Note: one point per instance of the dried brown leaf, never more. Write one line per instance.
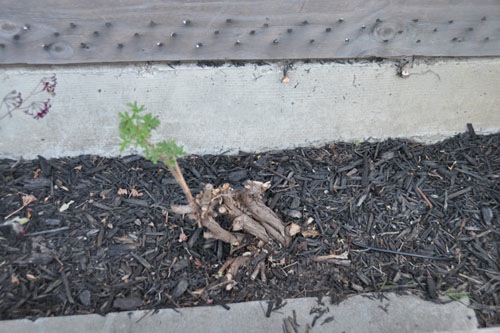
(27, 199)
(122, 191)
(310, 233)
(124, 240)
(342, 256)
(30, 277)
(183, 237)
(134, 193)
(294, 229)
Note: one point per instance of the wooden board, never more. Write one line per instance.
(74, 31)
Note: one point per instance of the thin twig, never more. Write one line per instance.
(370, 248)
(36, 233)
(423, 196)
(144, 315)
(141, 260)
(179, 177)
(16, 211)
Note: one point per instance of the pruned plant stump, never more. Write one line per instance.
(255, 228)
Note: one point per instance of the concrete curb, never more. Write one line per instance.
(211, 110)
(362, 313)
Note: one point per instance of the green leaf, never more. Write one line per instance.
(135, 130)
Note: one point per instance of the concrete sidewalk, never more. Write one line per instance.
(364, 313)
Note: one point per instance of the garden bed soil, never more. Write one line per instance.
(388, 216)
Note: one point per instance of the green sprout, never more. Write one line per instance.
(456, 295)
(135, 131)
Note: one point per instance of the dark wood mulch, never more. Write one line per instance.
(412, 217)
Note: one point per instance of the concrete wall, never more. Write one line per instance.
(214, 109)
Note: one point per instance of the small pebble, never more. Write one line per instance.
(295, 203)
(180, 265)
(128, 303)
(84, 297)
(181, 287)
(237, 176)
(52, 222)
(294, 214)
(487, 214)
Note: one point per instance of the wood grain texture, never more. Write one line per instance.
(72, 31)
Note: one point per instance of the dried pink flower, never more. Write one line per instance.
(43, 110)
(13, 100)
(49, 84)
(38, 109)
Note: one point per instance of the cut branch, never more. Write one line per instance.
(216, 231)
(254, 225)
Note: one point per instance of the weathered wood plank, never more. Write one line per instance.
(72, 31)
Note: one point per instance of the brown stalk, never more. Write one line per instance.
(179, 178)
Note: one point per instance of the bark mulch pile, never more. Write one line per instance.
(94, 235)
